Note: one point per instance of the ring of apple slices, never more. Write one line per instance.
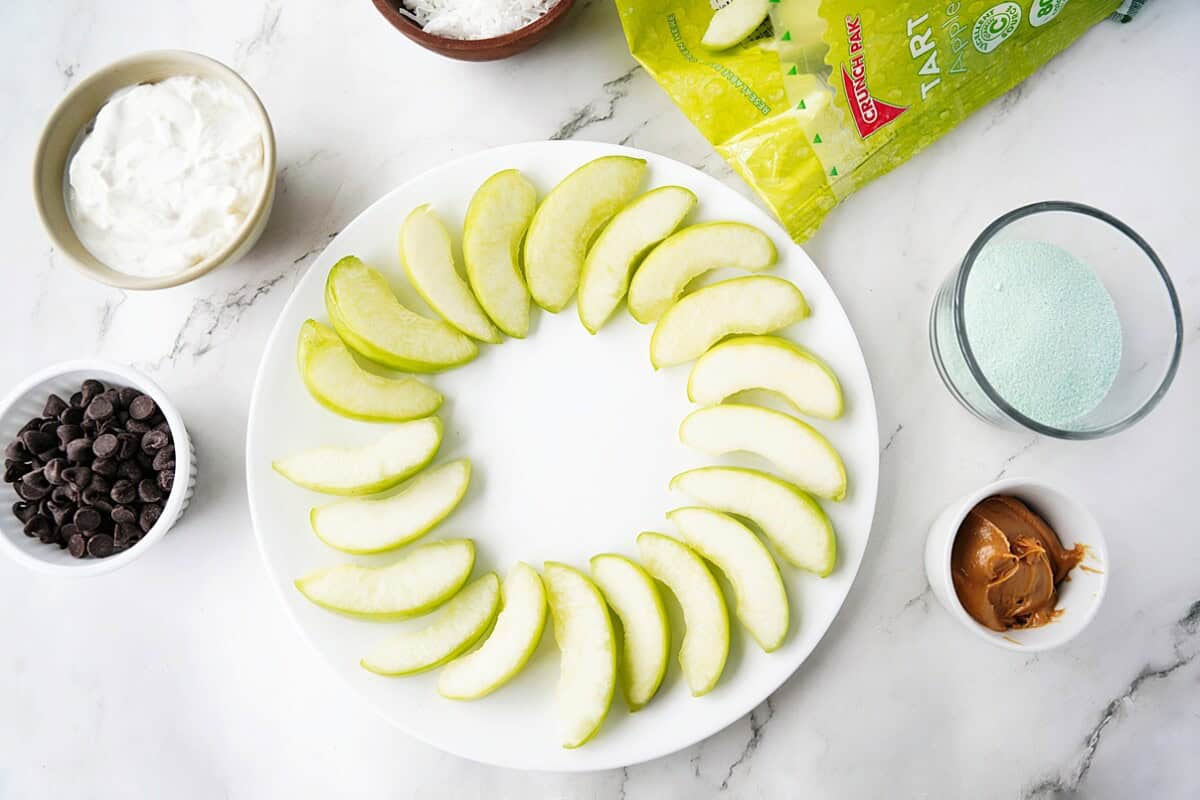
(595, 235)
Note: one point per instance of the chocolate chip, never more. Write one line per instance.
(71, 416)
(143, 407)
(62, 495)
(17, 451)
(14, 470)
(137, 426)
(164, 459)
(79, 477)
(104, 506)
(53, 471)
(124, 515)
(77, 546)
(130, 470)
(91, 496)
(163, 426)
(106, 445)
(79, 451)
(149, 516)
(35, 485)
(24, 511)
(148, 491)
(105, 466)
(123, 491)
(126, 535)
(37, 442)
(55, 405)
(101, 408)
(153, 441)
(100, 546)
(67, 530)
(128, 445)
(166, 479)
(146, 460)
(88, 390)
(67, 433)
(39, 526)
(61, 513)
(76, 400)
(87, 519)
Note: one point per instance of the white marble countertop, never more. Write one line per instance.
(180, 676)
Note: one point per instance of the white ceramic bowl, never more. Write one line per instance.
(25, 402)
(1079, 597)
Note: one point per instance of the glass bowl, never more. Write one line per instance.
(1146, 305)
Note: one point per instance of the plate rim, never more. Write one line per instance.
(867, 405)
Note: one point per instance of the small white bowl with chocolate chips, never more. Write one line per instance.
(97, 468)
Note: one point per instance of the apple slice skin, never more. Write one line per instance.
(754, 304)
(508, 647)
(733, 23)
(705, 616)
(452, 558)
(337, 382)
(427, 434)
(414, 343)
(407, 524)
(625, 239)
(496, 221)
(762, 603)
(631, 593)
(770, 363)
(800, 530)
(565, 223)
(589, 651)
(791, 444)
(428, 257)
(459, 625)
(690, 253)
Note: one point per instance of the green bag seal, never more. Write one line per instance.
(830, 94)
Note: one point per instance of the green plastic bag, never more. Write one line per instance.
(829, 94)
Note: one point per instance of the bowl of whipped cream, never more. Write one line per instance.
(156, 170)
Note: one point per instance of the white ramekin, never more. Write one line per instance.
(25, 402)
(1079, 596)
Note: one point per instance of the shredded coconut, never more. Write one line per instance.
(475, 19)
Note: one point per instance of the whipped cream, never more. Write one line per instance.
(166, 176)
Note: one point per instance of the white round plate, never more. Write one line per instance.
(573, 438)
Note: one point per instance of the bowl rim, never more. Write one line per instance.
(1014, 486)
(960, 326)
(87, 567)
(438, 44)
(183, 59)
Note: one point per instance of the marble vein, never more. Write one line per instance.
(1004, 465)
(758, 723)
(1069, 783)
(892, 439)
(107, 312)
(599, 110)
(264, 35)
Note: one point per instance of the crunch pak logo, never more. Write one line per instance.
(870, 114)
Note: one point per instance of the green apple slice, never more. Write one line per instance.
(428, 256)
(457, 626)
(635, 229)
(496, 221)
(762, 604)
(337, 382)
(705, 618)
(403, 451)
(733, 23)
(754, 304)
(804, 455)
(568, 219)
(770, 363)
(794, 523)
(686, 255)
(419, 582)
(584, 634)
(374, 324)
(632, 593)
(510, 644)
(375, 525)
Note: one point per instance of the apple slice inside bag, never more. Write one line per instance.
(733, 23)
(496, 221)
(633, 595)
(398, 454)
(584, 634)
(762, 604)
(507, 649)
(337, 382)
(753, 304)
(706, 621)
(686, 255)
(373, 323)
(793, 522)
(565, 223)
(770, 363)
(428, 257)
(457, 626)
(417, 583)
(806, 457)
(375, 525)
(614, 255)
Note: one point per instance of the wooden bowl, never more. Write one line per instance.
(492, 49)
